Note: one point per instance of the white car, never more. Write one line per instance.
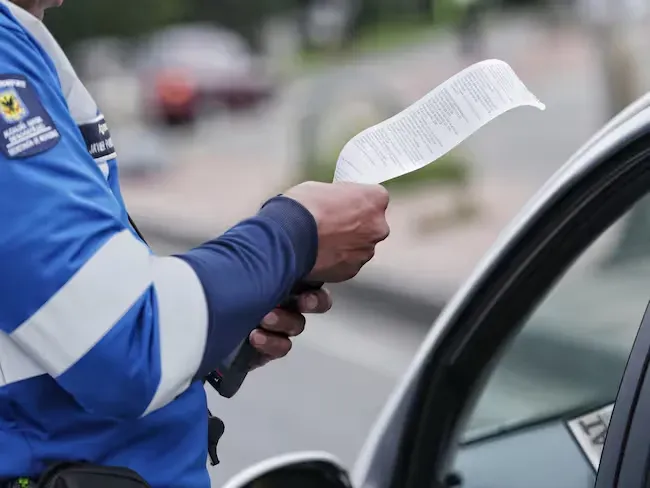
(516, 382)
(200, 69)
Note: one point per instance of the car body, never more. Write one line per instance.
(537, 356)
(188, 70)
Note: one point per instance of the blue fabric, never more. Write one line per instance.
(269, 252)
(58, 211)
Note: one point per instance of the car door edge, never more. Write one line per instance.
(378, 456)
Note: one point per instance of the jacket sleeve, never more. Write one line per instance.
(123, 331)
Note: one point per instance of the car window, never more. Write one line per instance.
(572, 350)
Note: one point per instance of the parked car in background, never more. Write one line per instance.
(196, 69)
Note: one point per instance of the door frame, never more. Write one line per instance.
(626, 453)
(519, 278)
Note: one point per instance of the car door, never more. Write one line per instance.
(626, 452)
(419, 436)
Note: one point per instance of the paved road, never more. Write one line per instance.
(324, 396)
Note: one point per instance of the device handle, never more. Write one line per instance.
(228, 380)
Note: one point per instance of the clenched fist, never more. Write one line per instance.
(272, 339)
(351, 220)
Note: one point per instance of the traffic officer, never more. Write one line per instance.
(103, 345)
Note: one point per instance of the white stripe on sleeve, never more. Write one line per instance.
(15, 365)
(85, 309)
(183, 327)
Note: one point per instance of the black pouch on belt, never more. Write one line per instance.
(83, 475)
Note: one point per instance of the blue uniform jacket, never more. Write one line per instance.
(103, 343)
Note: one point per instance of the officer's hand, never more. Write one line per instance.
(272, 339)
(351, 221)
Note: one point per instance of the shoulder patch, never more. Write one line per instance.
(98, 139)
(589, 431)
(26, 129)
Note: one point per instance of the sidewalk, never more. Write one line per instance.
(414, 271)
(424, 266)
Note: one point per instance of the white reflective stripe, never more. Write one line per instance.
(85, 309)
(15, 365)
(182, 326)
(94, 120)
(103, 166)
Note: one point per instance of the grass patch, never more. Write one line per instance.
(447, 12)
(450, 170)
(379, 38)
(386, 35)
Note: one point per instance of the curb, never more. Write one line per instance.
(414, 310)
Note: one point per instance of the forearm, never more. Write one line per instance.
(247, 271)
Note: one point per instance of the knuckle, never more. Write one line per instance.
(328, 300)
(284, 347)
(385, 231)
(354, 270)
(382, 196)
(369, 255)
(324, 301)
(257, 339)
(291, 323)
(287, 321)
(347, 272)
(381, 230)
(385, 195)
(299, 326)
(279, 320)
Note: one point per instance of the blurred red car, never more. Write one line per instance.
(194, 70)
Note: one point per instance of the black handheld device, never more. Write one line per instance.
(228, 379)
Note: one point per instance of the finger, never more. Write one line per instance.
(284, 322)
(261, 360)
(357, 261)
(383, 231)
(362, 256)
(274, 346)
(380, 196)
(315, 301)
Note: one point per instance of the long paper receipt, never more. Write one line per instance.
(434, 125)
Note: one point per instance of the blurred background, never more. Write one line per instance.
(215, 106)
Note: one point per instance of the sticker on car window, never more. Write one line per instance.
(589, 431)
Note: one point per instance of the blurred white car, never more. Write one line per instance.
(188, 70)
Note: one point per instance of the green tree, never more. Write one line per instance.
(245, 17)
(124, 18)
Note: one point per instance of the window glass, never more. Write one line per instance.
(572, 351)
